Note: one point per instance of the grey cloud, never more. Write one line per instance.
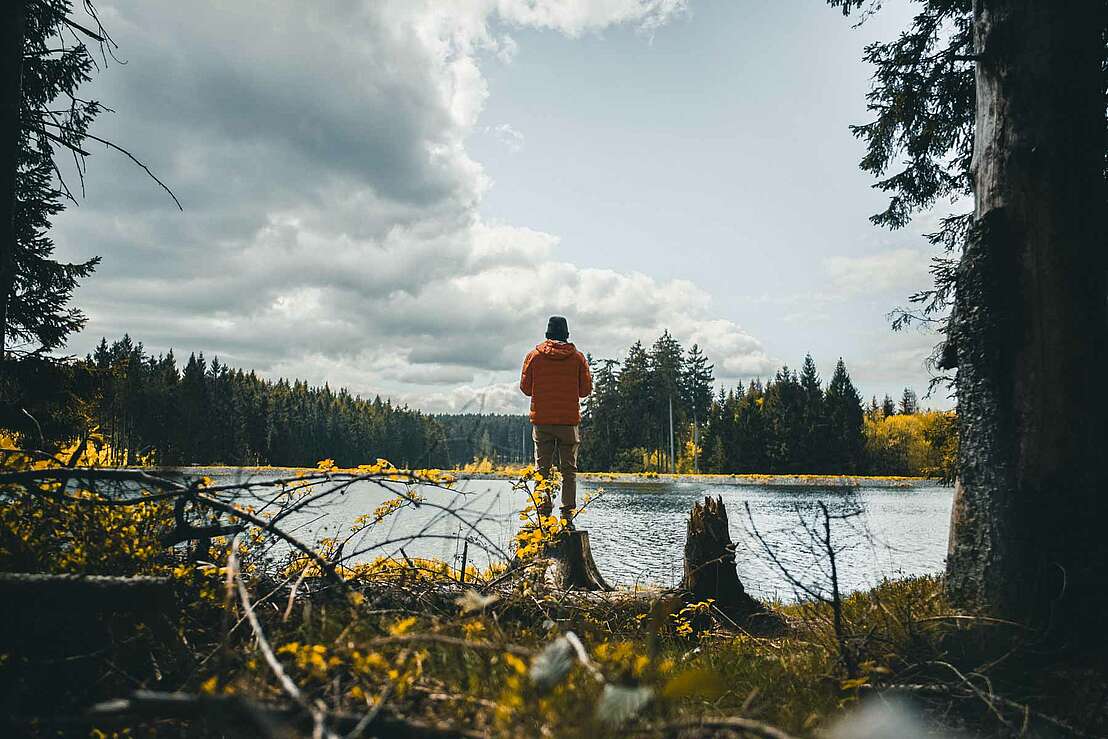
(331, 227)
(436, 375)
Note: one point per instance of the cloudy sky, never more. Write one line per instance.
(392, 196)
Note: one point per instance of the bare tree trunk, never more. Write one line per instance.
(11, 94)
(672, 459)
(1030, 328)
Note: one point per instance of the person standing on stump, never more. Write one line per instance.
(556, 376)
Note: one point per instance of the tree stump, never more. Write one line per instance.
(570, 565)
(710, 569)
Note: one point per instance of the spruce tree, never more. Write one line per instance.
(666, 370)
(696, 389)
(909, 403)
(637, 408)
(845, 424)
(35, 289)
(601, 431)
(811, 456)
(753, 439)
(784, 418)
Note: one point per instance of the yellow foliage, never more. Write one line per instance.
(402, 626)
(50, 534)
(312, 660)
(923, 444)
(622, 657)
(486, 466)
(391, 569)
(688, 456)
(92, 451)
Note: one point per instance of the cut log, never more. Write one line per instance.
(87, 592)
(570, 564)
(710, 569)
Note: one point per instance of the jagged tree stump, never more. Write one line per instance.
(570, 565)
(710, 568)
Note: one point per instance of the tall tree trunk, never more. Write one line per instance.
(12, 24)
(1030, 328)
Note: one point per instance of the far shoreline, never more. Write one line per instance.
(627, 478)
(743, 480)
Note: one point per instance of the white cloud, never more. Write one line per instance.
(495, 397)
(900, 270)
(331, 227)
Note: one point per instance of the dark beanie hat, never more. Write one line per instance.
(557, 328)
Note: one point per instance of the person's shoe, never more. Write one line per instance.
(567, 516)
(545, 508)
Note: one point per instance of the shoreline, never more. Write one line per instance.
(744, 480)
(630, 478)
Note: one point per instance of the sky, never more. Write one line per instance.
(393, 195)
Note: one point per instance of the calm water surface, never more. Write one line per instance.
(638, 529)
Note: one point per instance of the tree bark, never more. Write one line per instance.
(570, 564)
(11, 96)
(1030, 332)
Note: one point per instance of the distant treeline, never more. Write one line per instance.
(788, 425)
(499, 438)
(148, 408)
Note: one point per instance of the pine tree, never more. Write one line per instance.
(696, 390)
(752, 440)
(42, 115)
(713, 433)
(812, 452)
(909, 403)
(193, 430)
(601, 430)
(637, 407)
(35, 289)
(845, 436)
(784, 413)
(666, 370)
(888, 407)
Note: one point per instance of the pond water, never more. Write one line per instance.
(637, 529)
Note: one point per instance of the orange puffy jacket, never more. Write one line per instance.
(555, 375)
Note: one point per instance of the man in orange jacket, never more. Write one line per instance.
(556, 376)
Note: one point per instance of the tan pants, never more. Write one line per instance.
(565, 439)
